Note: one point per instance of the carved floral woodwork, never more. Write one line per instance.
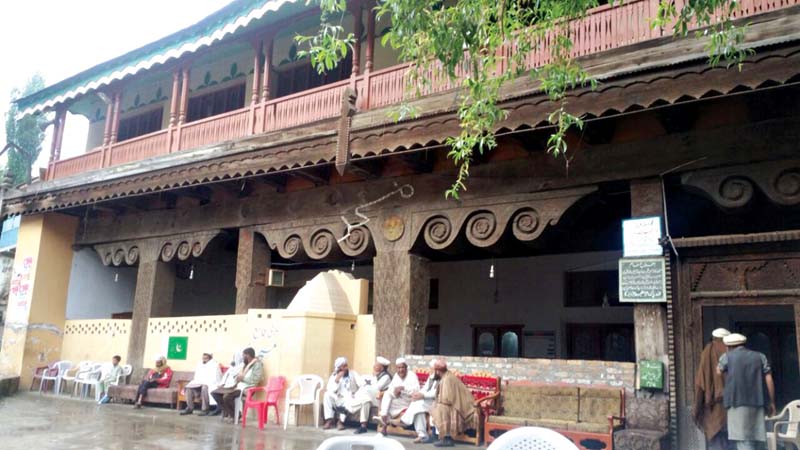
(743, 275)
(734, 187)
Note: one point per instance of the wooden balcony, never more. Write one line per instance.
(604, 28)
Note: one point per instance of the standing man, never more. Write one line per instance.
(369, 392)
(748, 382)
(251, 375)
(454, 410)
(708, 411)
(206, 375)
(339, 393)
(399, 395)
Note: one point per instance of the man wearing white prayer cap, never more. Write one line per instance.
(398, 397)
(369, 391)
(749, 392)
(708, 411)
(342, 386)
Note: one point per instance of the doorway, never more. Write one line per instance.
(769, 330)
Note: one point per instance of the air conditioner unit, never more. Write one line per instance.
(276, 278)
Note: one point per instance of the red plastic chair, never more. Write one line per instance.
(273, 391)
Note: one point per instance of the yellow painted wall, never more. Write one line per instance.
(95, 340)
(218, 335)
(364, 344)
(35, 317)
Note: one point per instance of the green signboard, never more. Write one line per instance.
(642, 280)
(651, 375)
(176, 349)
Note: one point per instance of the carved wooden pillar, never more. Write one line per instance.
(115, 120)
(650, 320)
(358, 29)
(58, 134)
(184, 102)
(175, 98)
(400, 303)
(370, 53)
(252, 262)
(109, 120)
(254, 97)
(267, 77)
(155, 285)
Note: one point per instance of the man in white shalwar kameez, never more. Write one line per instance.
(207, 376)
(369, 392)
(398, 397)
(339, 392)
(422, 404)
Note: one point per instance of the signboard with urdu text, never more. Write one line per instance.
(176, 349)
(641, 237)
(642, 280)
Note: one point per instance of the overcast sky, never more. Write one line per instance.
(59, 38)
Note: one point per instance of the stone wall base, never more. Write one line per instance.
(8, 386)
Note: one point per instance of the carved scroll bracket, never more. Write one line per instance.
(484, 224)
(166, 248)
(317, 242)
(734, 187)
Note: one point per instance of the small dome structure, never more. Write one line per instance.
(325, 293)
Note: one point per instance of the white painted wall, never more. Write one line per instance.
(530, 291)
(93, 293)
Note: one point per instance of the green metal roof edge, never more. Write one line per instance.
(166, 48)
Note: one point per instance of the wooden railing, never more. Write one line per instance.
(138, 148)
(604, 28)
(223, 127)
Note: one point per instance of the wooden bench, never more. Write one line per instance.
(181, 402)
(485, 388)
(588, 416)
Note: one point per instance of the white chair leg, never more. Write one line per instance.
(286, 415)
(316, 414)
(41, 384)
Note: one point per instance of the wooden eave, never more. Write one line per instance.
(655, 73)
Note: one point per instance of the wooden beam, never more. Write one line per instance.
(116, 209)
(201, 193)
(277, 181)
(310, 175)
(368, 170)
(418, 161)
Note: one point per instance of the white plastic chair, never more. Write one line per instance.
(87, 380)
(532, 438)
(785, 428)
(76, 372)
(60, 368)
(310, 387)
(348, 442)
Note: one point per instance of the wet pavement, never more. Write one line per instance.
(31, 421)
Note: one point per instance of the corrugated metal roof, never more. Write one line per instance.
(233, 18)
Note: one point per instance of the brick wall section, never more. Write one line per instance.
(551, 371)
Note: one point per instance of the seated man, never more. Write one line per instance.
(370, 389)
(398, 397)
(454, 409)
(159, 377)
(228, 380)
(251, 375)
(107, 378)
(207, 374)
(342, 386)
(420, 407)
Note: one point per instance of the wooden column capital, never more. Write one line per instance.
(370, 54)
(184, 102)
(357, 31)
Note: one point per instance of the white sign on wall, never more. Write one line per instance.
(642, 280)
(641, 236)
